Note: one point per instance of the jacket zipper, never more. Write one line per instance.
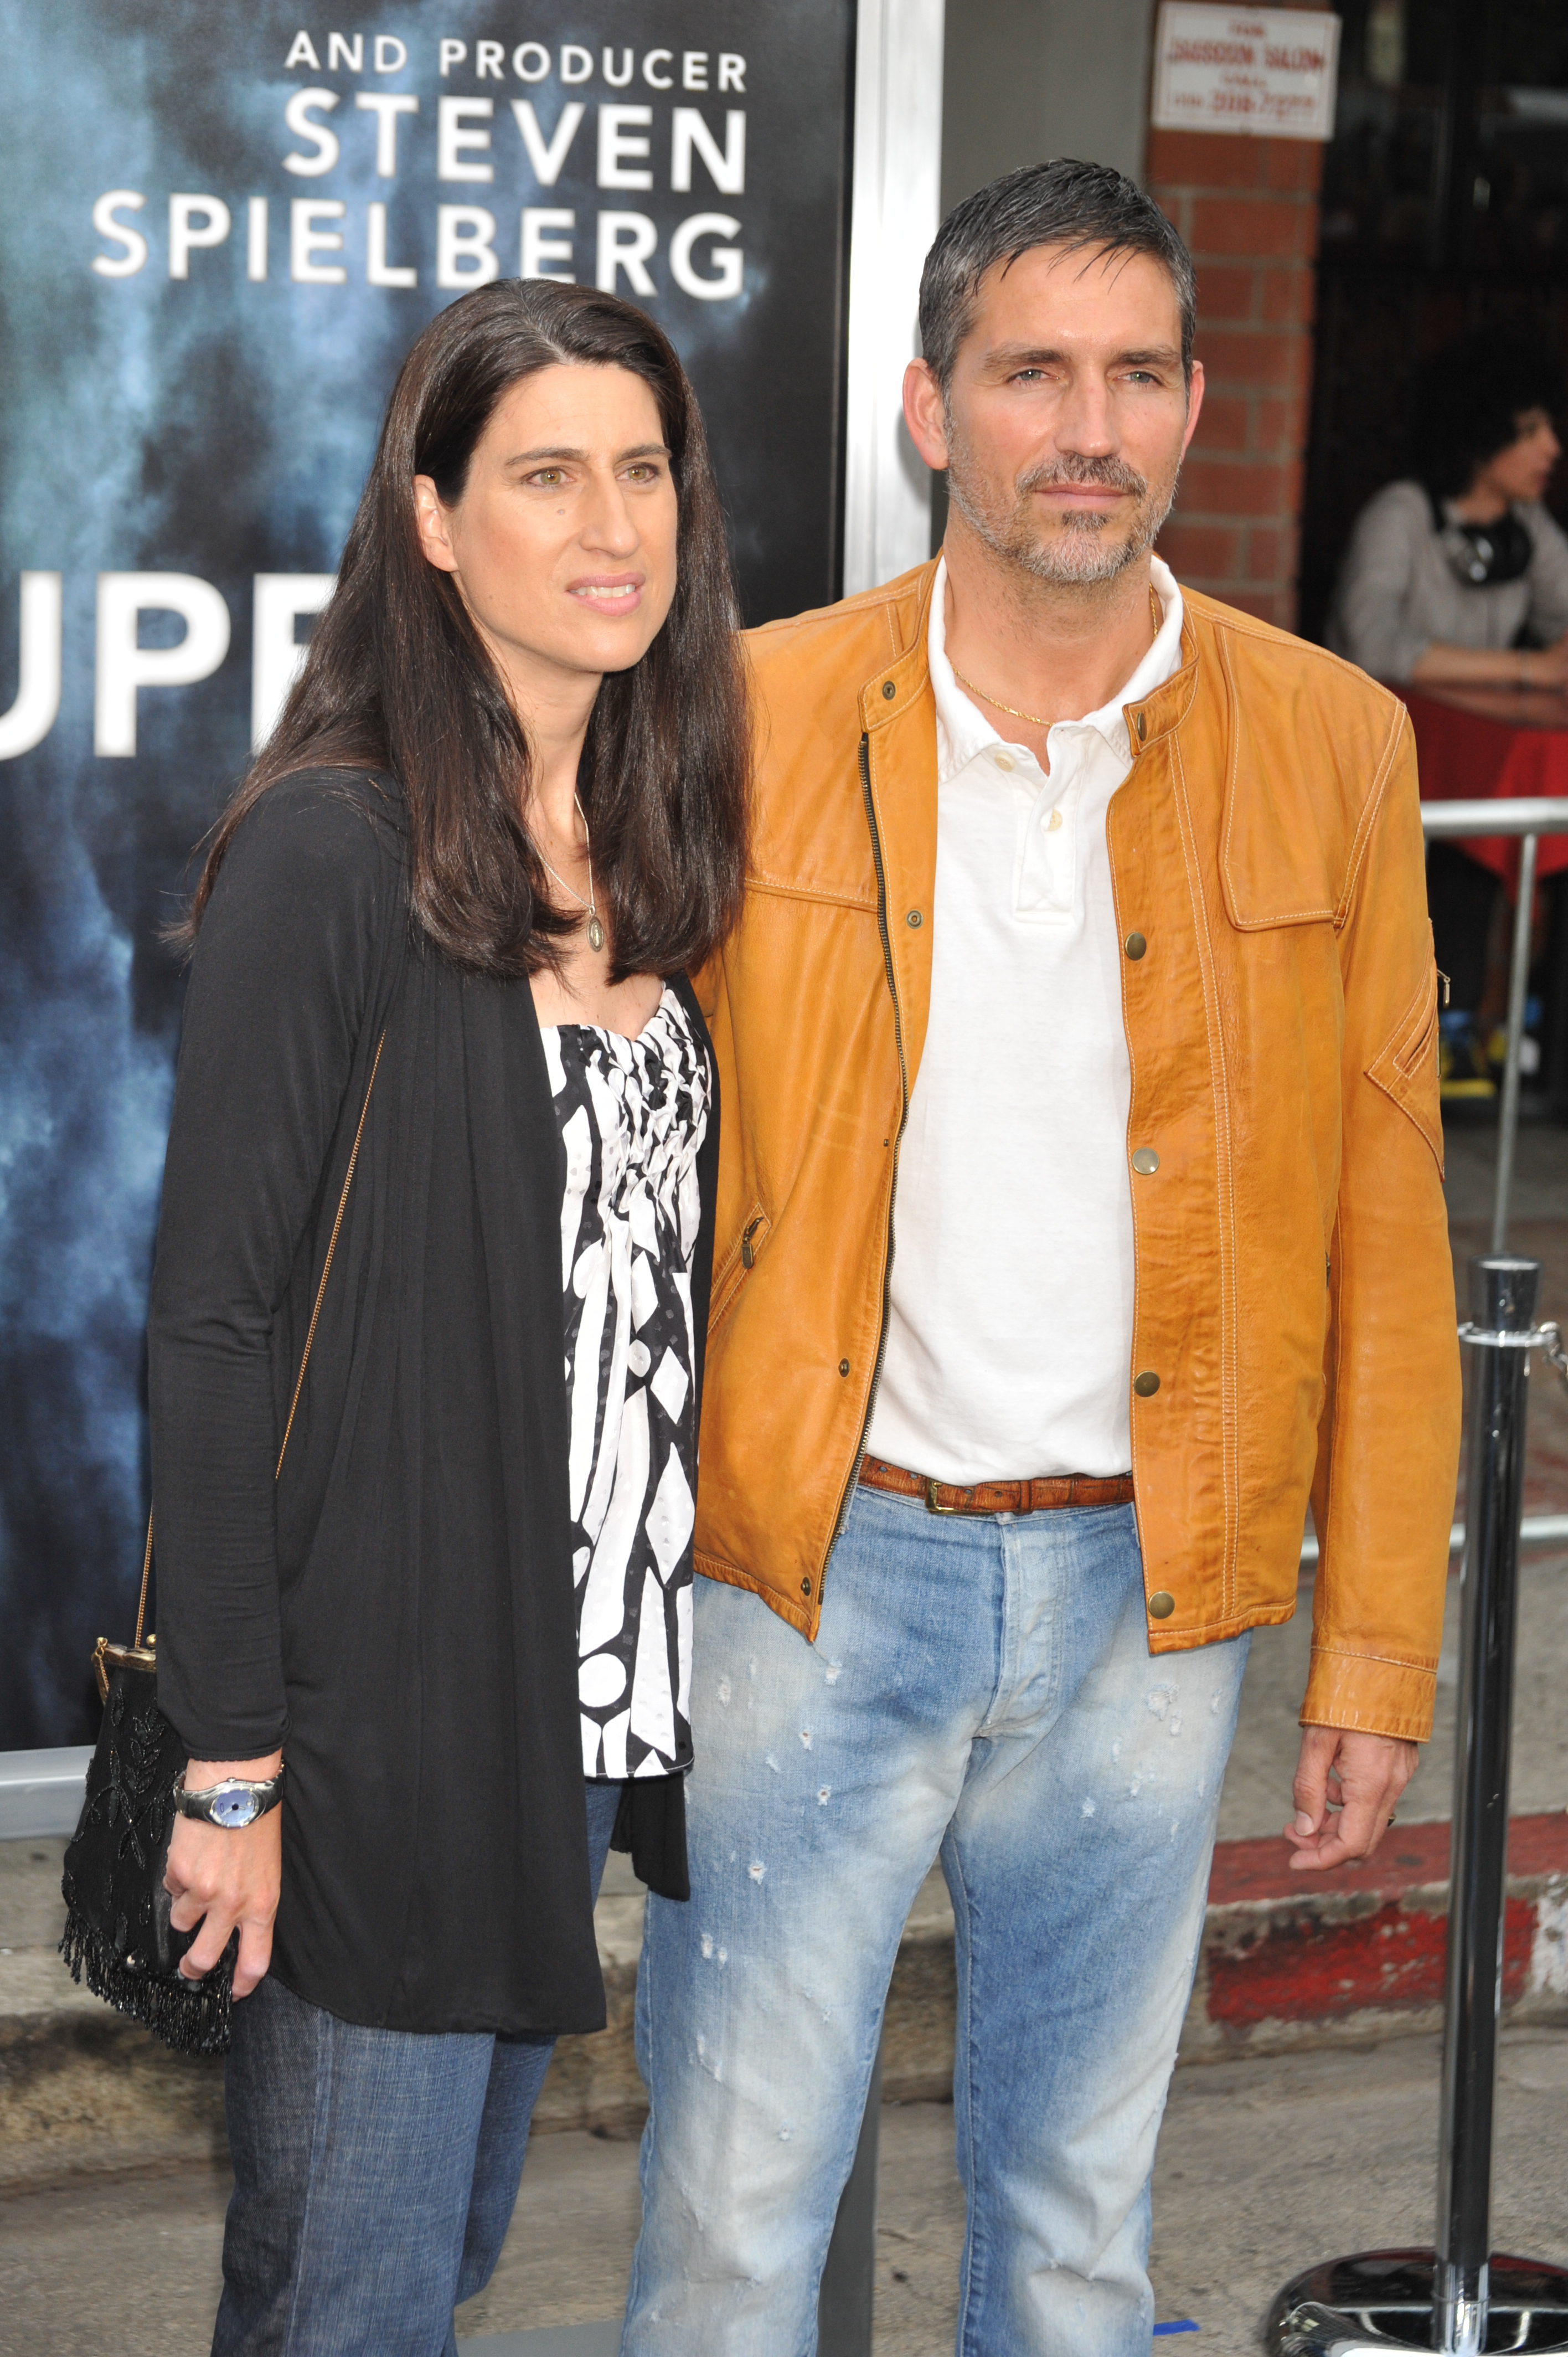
(731, 1275)
(893, 1188)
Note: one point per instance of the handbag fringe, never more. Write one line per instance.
(191, 2016)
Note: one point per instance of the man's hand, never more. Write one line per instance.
(1347, 1787)
(220, 1878)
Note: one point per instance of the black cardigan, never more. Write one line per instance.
(397, 1610)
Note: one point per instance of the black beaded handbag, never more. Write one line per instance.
(118, 1934)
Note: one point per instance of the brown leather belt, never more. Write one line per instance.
(1042, 1495)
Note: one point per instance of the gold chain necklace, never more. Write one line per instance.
(1034, 719)
(996, 705)
(596, 931)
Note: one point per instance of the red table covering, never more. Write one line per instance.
(1492, 744)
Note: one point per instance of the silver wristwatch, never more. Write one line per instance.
(234, 1803)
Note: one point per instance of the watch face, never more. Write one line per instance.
(232, 1806)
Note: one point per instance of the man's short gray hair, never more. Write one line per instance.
(1084, 207)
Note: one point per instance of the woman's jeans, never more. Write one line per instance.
(982, 1688)
(375, 2171)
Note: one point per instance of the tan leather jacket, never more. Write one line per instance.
(1294, 1293)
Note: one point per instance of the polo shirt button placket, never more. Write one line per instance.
(1014, 818)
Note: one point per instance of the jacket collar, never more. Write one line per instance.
(1154, 715)
(908, 674)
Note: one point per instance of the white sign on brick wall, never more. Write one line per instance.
(1267, 72)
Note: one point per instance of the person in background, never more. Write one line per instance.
(1457, 577)
(504, 809)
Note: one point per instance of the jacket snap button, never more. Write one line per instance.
(915, 918)
(844, 1366)
(1146, 1385)
(1161, 1605)
(805, 1587)
(1134, 945)
(889, 691)
(1139, 724)
(1146, 1162)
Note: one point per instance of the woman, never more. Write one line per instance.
(1458, 576)
(503, 815)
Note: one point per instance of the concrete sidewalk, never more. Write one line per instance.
(1264, 2167)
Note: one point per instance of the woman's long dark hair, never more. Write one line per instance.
(397, 677)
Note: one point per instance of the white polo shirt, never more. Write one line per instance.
(1010, 1326)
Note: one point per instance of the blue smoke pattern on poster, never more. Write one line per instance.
(214, 426)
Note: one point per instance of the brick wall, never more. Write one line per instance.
(1247, 209)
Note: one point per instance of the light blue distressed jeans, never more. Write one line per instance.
(982, 1688)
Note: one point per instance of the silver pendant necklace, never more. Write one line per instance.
(596, 931)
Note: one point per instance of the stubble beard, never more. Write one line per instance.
(1085, 551)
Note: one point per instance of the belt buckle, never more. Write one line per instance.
(931, 1506)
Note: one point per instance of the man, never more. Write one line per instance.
(1079, 1215)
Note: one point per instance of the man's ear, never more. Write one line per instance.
(925, 413)
(1193, 404)
(430, 523)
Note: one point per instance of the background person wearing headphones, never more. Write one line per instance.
(1457, 577)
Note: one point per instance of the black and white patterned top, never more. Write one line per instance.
(632, 1116)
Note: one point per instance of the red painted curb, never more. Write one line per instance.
(1392, 1962)
(1285, 1953)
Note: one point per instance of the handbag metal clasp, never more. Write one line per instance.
(107, 1657)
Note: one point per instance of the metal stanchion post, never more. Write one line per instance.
(849, 2278)
(1518, 988)
(1460, 2298)
(1503, 1296)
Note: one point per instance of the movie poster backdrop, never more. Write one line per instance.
(220, 228)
